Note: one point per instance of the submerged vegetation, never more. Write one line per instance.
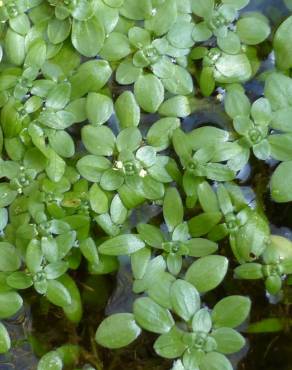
(125, 219)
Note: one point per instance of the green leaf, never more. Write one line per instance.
(69, 354)
(215, 361)
(160, 291)
(149, 92)
(9, 257)
(177, 106)
(34, 256)
(127, 73)
(77, 108)
(58, 30)
(14, 47)
(185, 299)
(281, 42)
(231, 311)
(139, 37)
(73, 311)
(281, 183)
(146, 155)
(201, 321)
(152, 189)
(20, 24)
(278, 89)
(236, 103)
(56, 166)
(163, 18)
(5, 342)
(50, 361)
(253, 28)
(280, 146)
(90, 76)
(151, 235)
(99, 108)
(111, 180)
(228, 340)
(202, 8)
(59, 96)
(56, 269)
(207, 135)
(89, 250)
(19, 280)
(118, 211)
(172, 208)
(10, 304)
(203, 223)
(251, 238)
(98, 140)
(62, 143)
(50, 248)
(122, 244)
(180, 35)
(181, 83)
(199, 247)
(117, 331)
(151, 316)
(129, 139)
(201, 32)
(170, 345)
(207, 272)
(129, 117)
(207, 197)
(207, 81)
(160, 133)
(249, 271)
(58, 294)
(116, 47)
(230, 43)
(98, 199)
(139, 262)
(91, 167)
(232, 68)
(238, 4)
(37, 54)
(88, 36)
(269, 325)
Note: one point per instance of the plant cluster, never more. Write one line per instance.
(77, 80)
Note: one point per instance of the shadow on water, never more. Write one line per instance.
(40, 327)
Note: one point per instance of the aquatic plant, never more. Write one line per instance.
(97, 99)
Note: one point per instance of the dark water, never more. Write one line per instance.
(41, 327)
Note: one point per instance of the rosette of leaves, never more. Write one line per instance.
(174, 242)
(22, 178)
(123, 164)
(196, 151)
(251, 122)
(226, 213)
(45, 248)
(41, 273)
(267, 131)
(221, 20)
(274, 265)
(164, 57)
(202, 337)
